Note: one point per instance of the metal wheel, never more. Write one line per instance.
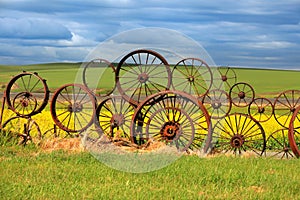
(114, 117)
(99, 77)
(218, 103)
(278, 144)
(293, 134)
(73, 108)
(27, 94)
(21, 130)
(193, 76)
(285, 105)
(237, 133)
(226, 78)
(142, 73)
(241, 94)
(261, 109)
(172, 117)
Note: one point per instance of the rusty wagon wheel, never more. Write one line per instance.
(293, 134)
(218, 103)
(73, 108)
(27, 94)
(241, 94)
(278, 144)
(21, 130)
(237, 133)
(285, 105)
(225, 78)
(114, 117)
(172, 117)
(142, 73)
(261, 109)
(193, 76)
(93, 76)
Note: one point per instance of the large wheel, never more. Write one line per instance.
(293, 135)
(237, 133)
(142, 73)
(261, 109)
(284, 107)
(193, 76)
(114, 117)
(21, 130)
(241, 94)
(73, 108)
(99, 77)
(27, 94)
(172, 117)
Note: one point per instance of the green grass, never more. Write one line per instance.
(30, 174)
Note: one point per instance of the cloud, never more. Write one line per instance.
(33, 29)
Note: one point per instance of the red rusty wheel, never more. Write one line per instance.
(99, 77)
(237, 133)
(241, 94)
(73, 108)
(261, 109)
(142, 73)
(114, 117)
(226, 78)
(21, 130)
(172, 117)
(27, 94)
(193, 76)
(218, 103)
(278, 144)
(285, 105)
(293, 135)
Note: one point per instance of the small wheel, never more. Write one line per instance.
(73, 108)
(175, 118)
(226, 78)
(21, 130)
(27, 94)
(278, 144)
(285, 105)
(261, 109)
(99, 77)
(241, 94)
(218, 103)
(142, 73)
(237, 133)
(114, 117)
(193, 76)
(293, 134)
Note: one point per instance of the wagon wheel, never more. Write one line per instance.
(142, 73)
(73, 108)
(293, 134)
(94, 74)
(176, 119)
(218, 103)
(21, 130)
(285, 105)
(261, 109)
(226, 77)
(193, 76)
(278, 144)
(27, 94)
(241, 94)
(114, 117)
(237, 133)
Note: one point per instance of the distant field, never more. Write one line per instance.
(265, 82)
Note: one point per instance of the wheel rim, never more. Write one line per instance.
(261, 109)
(293, 135)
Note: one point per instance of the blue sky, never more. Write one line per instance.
(256, 33)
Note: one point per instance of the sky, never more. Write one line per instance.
(253, 33)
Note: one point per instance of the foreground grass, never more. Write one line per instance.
(28, 173)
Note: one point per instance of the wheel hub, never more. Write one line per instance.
(261, 110)
(76, 107)
(242, 95)
(216, 105)
(237, 141)
(143, 77)
(117, 120)
(224, 78)
(191, 79)
(170, 130)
